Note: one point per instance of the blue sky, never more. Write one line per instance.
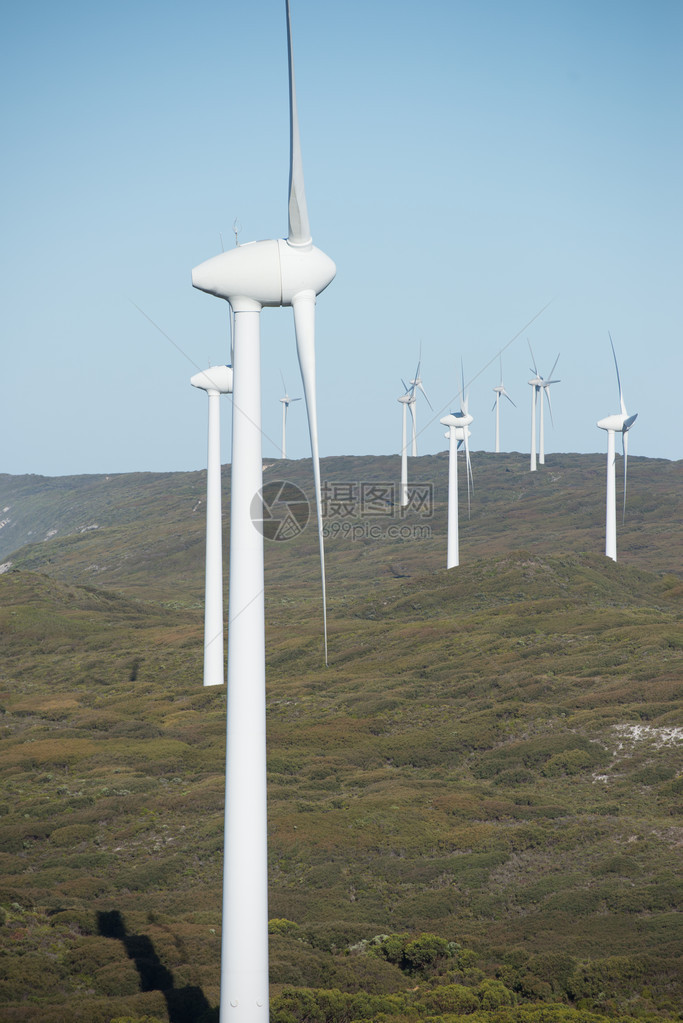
(466, 164)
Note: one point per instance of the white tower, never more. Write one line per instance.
(621, 423)
(407, 400)
(286, 402)
(458, 424)
(215, 381)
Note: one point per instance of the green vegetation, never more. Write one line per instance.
(473, 810)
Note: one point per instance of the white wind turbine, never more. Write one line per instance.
(283, 272)
(621, 423)
(286, 402)
(539, 387)
(458, 424)
(416, 385)
(407, 400)
(500, 393)
(215, 381)
(545, 390)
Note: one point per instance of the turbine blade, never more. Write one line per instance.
(550, 407)
(470, 482)
(553, 369)
(299, 229)
(616, 366)
(231, 321)
(411, 409)
(284, 385)
(534, 370)
(509, 398)
(425, 394)
(413, 437)
(414, 382)
(303, 305)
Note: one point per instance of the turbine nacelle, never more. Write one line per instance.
(216, 379)
(268, 273)
(407, 399)
(619, 422)
(457, 419)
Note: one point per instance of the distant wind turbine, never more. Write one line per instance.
(215, 381)
(545, 390)
(407, 400)
(621, 423)
(458, 424)
(283, 272)
(500, 393)
(416, 385)
(539, 386)
(286, 402)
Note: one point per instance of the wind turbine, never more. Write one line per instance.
(282, 272)
(500, 393)
(540, 386)
(215, 381)
(545, 390)
(286, 402)
(621, 423)
(407, 400)
(458, 433)
(416, 385)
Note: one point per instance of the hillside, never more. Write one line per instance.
(143, 534)
(492, 758)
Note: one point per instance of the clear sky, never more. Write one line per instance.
(466, 164)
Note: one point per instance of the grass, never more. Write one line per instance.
(492, 757)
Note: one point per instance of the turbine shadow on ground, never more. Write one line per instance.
(186, 1004)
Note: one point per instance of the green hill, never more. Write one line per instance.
(491, 759)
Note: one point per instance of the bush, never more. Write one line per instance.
(494, 995)
(424, 952)
(415, 955)
(72, 834)
(453, 998)
(281, 926)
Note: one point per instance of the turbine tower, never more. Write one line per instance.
(282, 272)
(286, 402)
(500, 393)
(407, 400)
(215, 381)
(621, 423)
(535, 384)
(458, 433)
